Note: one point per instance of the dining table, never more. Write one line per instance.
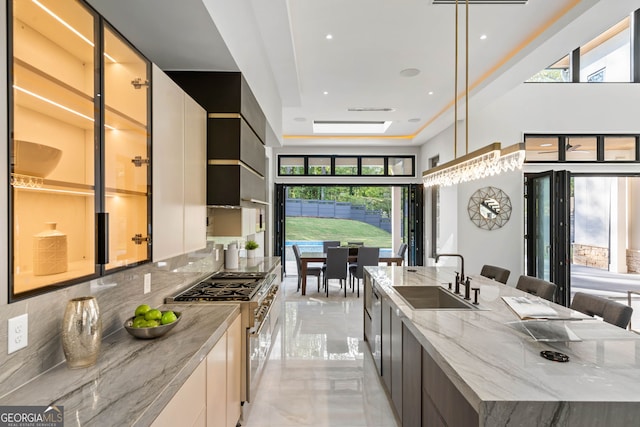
(309, 257)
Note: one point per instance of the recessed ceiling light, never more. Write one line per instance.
(329, 36)
(430, 92)
(483, 37)
(300, 119)
(325, 93)
(414, 120)
(546, 145)
(409, 72)
(342, 127)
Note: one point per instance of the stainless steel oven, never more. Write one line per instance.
(258, 294)
(260, 339)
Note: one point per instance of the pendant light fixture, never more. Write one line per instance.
(489, 160)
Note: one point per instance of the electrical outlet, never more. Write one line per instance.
(147, 283)
(18, 333)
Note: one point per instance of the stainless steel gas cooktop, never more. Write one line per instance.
(224, 286)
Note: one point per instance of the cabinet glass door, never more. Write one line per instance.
(127, 151)
(53, 200)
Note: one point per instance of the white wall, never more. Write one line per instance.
(529, 108)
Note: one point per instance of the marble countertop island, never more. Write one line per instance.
(133, 379)
(497, 366)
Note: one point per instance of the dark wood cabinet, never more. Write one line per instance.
(420, 392)
(396, 363)
(223, 92)
(232, 138)
(386, 345)
(443, 400)
(236, 132)
(392, 355)
(411, 380)
(233, 185)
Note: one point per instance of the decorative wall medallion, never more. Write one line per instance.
(489, 208)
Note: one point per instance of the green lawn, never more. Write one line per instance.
(344, 230)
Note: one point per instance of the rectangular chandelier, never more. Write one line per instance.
(487, 161)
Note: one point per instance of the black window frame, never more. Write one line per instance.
(634, 72)
(359, 158)
(600, 137)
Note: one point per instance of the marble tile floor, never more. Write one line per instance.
(318, 373)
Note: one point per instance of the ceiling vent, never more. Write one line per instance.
(462, 2)
(368, 109)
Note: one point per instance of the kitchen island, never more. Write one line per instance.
(481, 367)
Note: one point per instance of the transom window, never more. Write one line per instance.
(293, 165)
(582, 148)
(606, 58)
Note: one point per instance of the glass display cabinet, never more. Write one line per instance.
(126, 151)
(79, 147)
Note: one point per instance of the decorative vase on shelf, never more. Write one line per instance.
(81, 332)
(49, 251)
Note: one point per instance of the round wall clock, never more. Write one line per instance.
(489, 208)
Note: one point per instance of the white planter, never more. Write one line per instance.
(251, 253)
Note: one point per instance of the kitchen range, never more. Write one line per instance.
(259, 298)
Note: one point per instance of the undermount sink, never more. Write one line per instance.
(432, 298)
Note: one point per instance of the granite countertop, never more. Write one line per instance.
(133, 379)
(497, 366)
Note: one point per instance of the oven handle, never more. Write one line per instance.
(258, 331)
(247, 367)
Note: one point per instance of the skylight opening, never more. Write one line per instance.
(356, 127)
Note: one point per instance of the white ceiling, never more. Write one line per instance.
(281, 48)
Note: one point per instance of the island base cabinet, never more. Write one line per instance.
(411, 380)
(188, 405)
(386, 346)
(442, 403)
(397, 363)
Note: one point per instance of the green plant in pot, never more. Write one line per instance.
(251, 246)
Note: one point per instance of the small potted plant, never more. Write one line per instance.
(251, 246)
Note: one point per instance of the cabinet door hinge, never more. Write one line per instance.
(139, 161)
(138, 239)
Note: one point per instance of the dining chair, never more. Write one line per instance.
(311, 269)
(329, 244)
(402, 250)
(498, 274)
(610, 311)
(366, 256)
(537, 287)
(336, 267)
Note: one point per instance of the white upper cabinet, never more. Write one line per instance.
(178, 170)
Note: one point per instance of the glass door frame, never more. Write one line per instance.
(557, 221)
(413, 220)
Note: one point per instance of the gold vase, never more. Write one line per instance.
(81, 332)
(49, 251)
